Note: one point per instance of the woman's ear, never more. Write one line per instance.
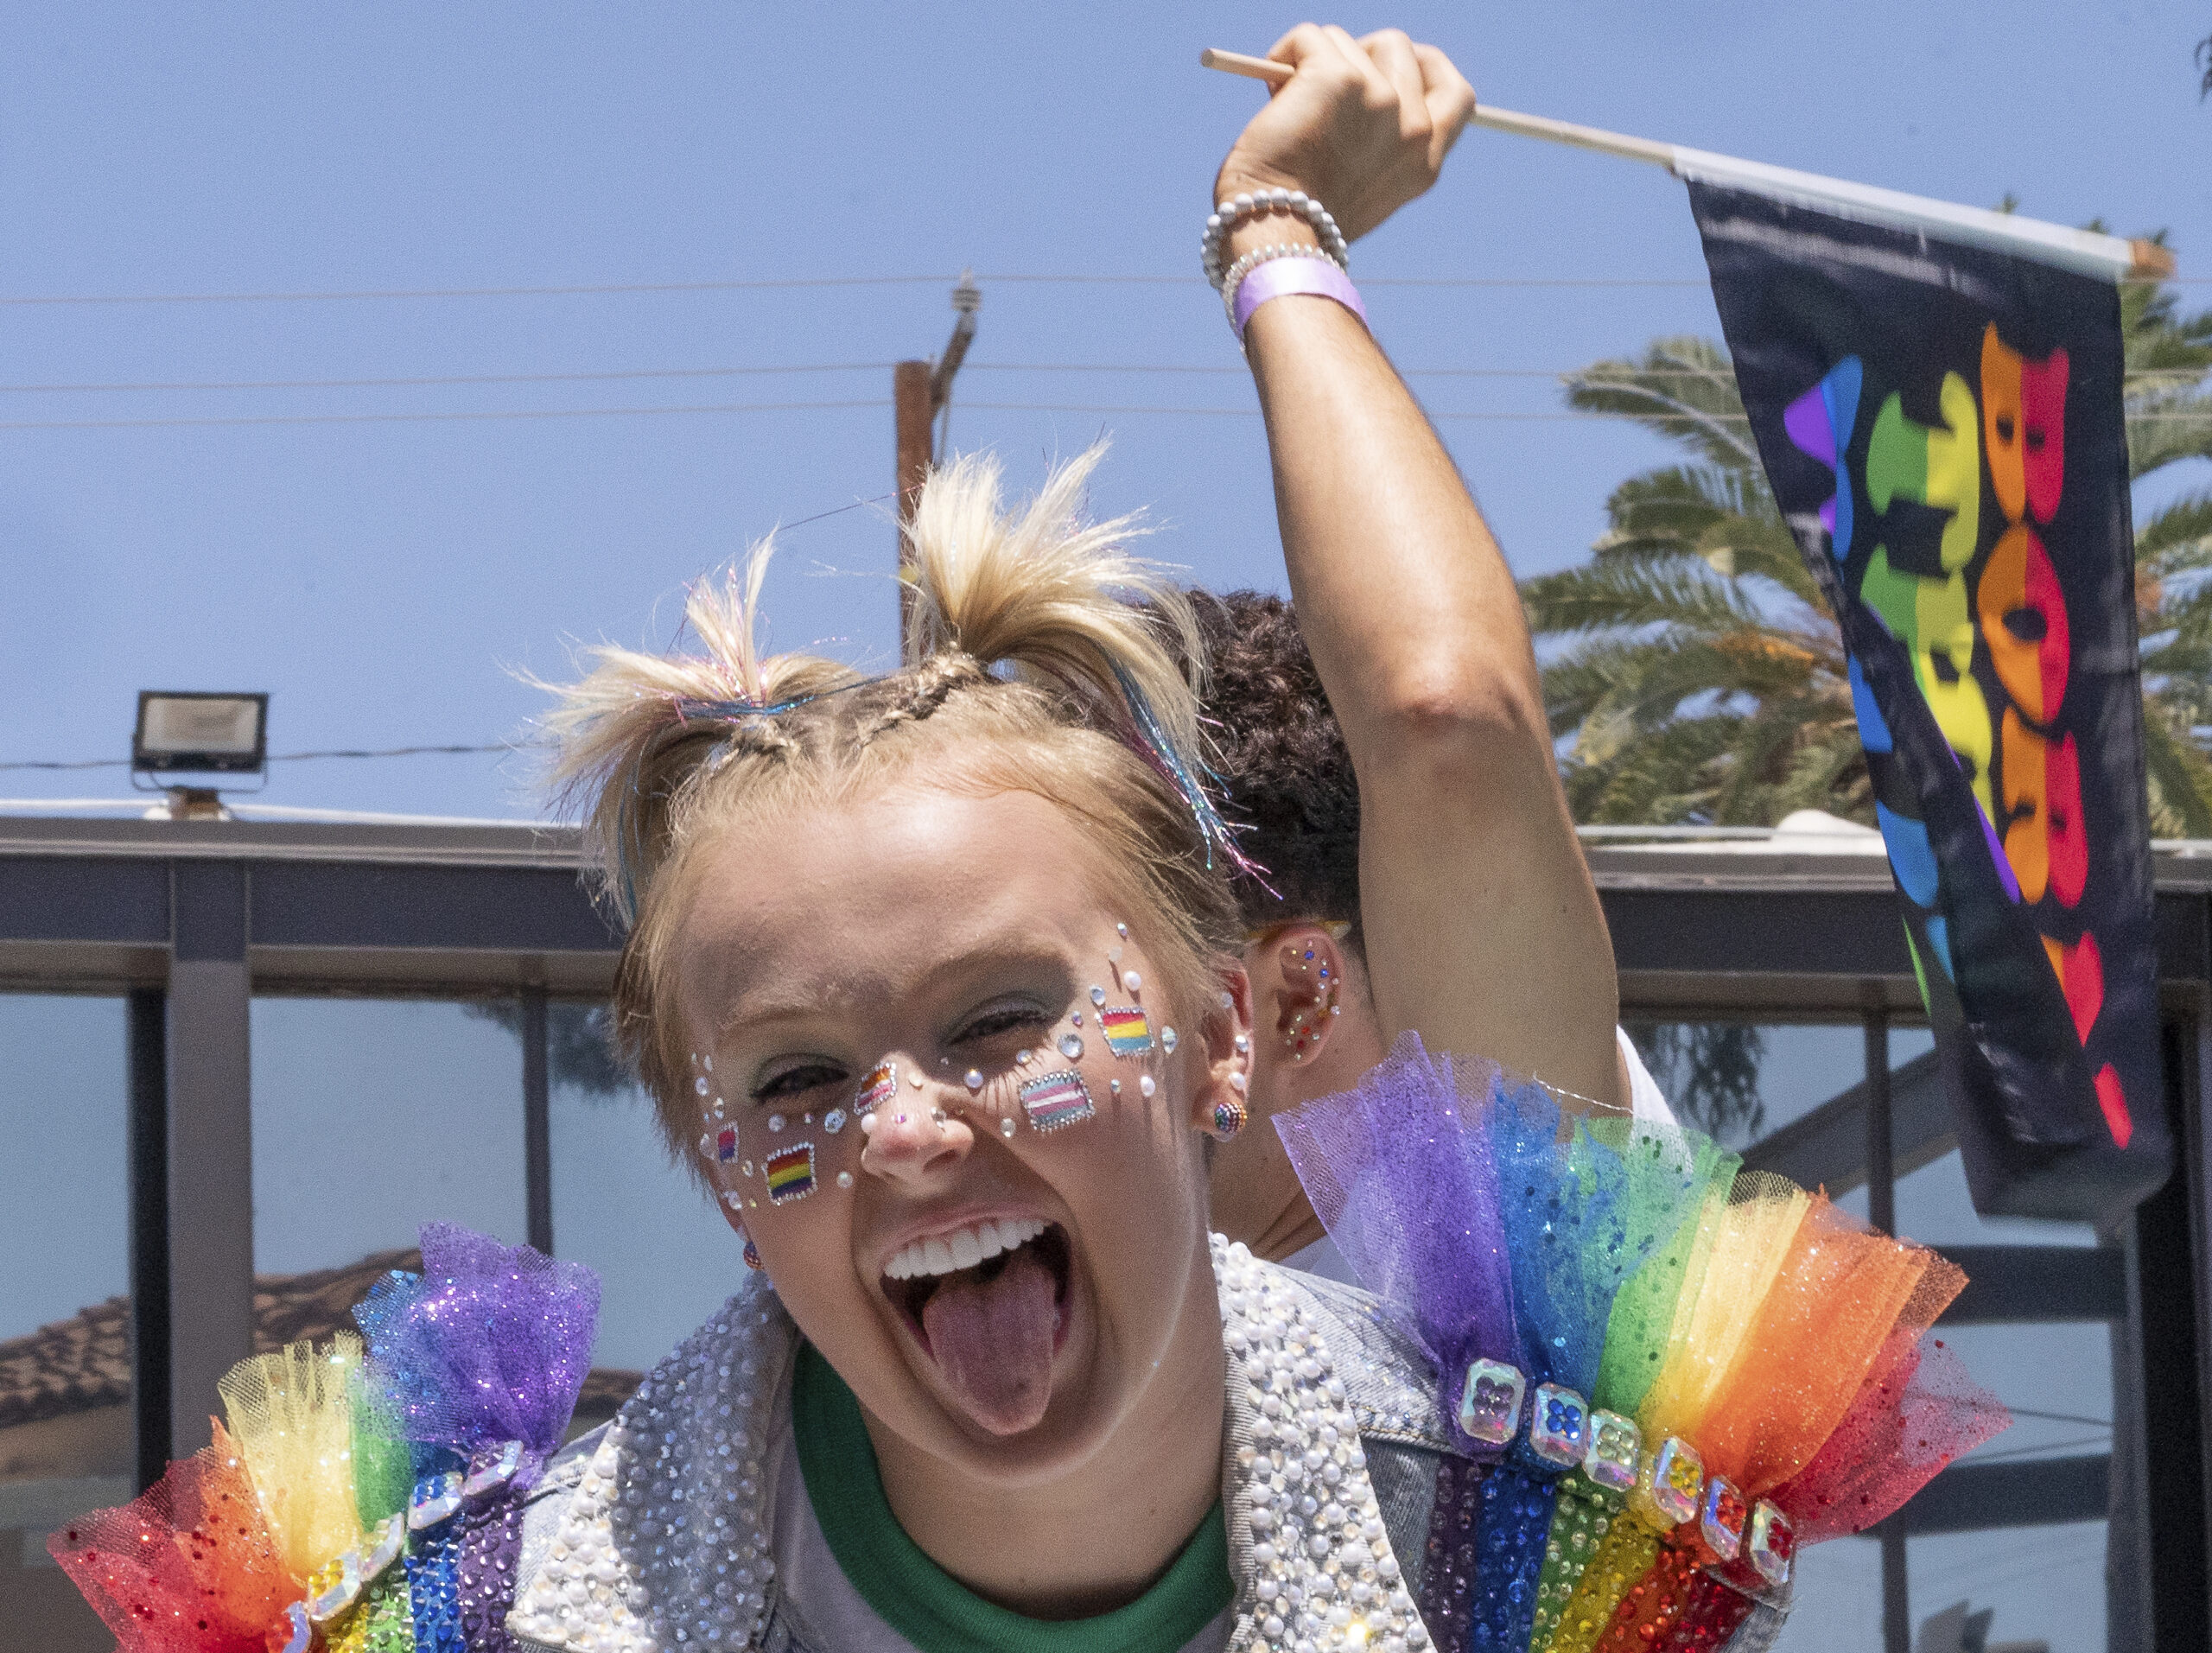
(1218, 1103)
(1300, 991)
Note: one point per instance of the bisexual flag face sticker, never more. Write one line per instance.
(1128, 1033)
(1057, 1100)
(725, 1145)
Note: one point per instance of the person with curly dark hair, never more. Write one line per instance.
(1287, 784)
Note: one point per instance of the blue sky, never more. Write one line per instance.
(385, 580)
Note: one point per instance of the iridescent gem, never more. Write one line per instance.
(385, 1542)
(775, 1121)
(1772, 1544)
(1097, 995)
(335, 1587)
(1557, 1418)
(1490, 1405)
(844, 1178)
(436, 1497)
(299, 1627)
(834, 1120)
(1145, 1085)
(1721, 1514)
(1122, 930)
(1006, 1126)
(1667, 1490)
(1072, 1045)
(491, 1467)
(973, 1080)
(700, 1085)
(1167, 1040)
(1615, 1448)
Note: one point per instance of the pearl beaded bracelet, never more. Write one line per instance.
(1297, 203)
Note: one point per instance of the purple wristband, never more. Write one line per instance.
(1278, 276)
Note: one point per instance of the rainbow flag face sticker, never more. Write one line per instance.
(790, 1173)
(1057, 1100)
(725, 1144)
(1127, 1033)
(880, 1086)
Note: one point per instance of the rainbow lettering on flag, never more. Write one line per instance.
(790, 1173)
(1128, 1033)
(1057, 1100)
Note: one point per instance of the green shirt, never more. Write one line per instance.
(926, 1604)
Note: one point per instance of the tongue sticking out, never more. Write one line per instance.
(992, 1340)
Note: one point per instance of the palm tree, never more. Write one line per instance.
(1693, 674)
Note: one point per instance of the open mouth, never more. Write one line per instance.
(987, 1304)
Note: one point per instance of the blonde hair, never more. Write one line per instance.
(1041, 656)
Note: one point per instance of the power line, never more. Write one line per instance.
(422, 381)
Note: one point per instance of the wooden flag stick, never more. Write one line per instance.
(2108, 256)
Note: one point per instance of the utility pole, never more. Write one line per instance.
(919, 391)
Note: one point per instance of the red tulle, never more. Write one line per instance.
(1916, 1411)
(186, 1568)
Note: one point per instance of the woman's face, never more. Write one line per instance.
(906, 1014)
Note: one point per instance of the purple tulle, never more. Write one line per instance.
(1400, 1170)
(489, 1344)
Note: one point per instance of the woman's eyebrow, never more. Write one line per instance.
(968, 973)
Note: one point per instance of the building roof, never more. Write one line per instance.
(83, 1362)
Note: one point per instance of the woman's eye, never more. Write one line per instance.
(795, 1081)
(1002, 1019)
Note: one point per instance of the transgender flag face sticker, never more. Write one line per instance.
(1057, 1100)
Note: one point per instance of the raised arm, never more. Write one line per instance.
(1482, 929)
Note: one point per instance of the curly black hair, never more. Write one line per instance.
(1285, 777)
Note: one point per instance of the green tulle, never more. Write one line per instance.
(384, 1474)
(1675, 1177)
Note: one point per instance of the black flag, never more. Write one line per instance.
(1943, 427)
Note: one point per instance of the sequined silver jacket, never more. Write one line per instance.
(658, 1522)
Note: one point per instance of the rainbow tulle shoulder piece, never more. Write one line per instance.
(1707, 1368)
(360, 1504)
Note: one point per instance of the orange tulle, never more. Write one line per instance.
(186, 1568)
(1841, 1289)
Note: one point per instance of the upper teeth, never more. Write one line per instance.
(943, 1254)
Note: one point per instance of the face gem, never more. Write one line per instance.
(1490, 1405)
(1771, 1546)
(745, 1167)
(974, 1079)
(1115, 1085)
(790, 1173)
(1243, 1044)
(1167, 1040)
(700, 1085)
(1721, 1514)
(879, 1087)
(1006, 1126)
(914, 1080)
(1071, 1046)
(834, 1120)
(492, 1466)
(708, 1064)
(1022, 1059)
(1557, 1418)
(1614, 1450)
(1122, 930)
(1055, 1101)
(1145, 1086)
(733, 1199)
(435, 1498)
(775, 1121)
(1667, 1491)
(1128, 1033)
(1077, 1018)
(725, 1144)
(334, 1588)
(1131, 983)
(844, 1178)
(1097, 995)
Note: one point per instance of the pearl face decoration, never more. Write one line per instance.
(975, 1079)
(1145, 1085)
(844, 1178)
(1131, 983)
(1243, 1044)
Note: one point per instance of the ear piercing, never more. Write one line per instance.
(1228, 1117)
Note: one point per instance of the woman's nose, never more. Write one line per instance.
(913, 1138)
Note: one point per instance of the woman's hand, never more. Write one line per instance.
(1363, 127)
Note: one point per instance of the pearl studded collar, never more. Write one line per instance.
(663, 1545)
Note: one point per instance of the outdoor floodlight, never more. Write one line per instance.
(200, 733)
